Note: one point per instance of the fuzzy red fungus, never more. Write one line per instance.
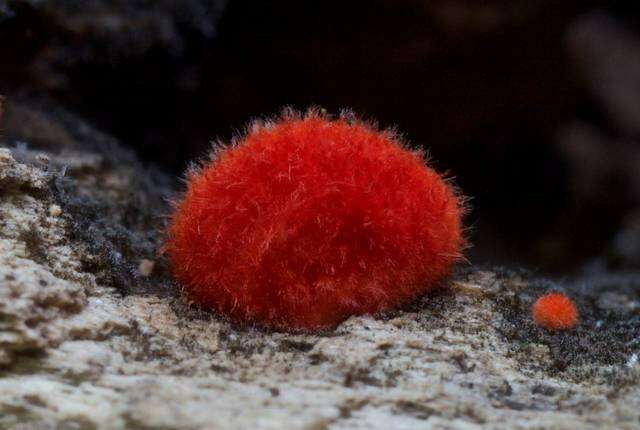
(555, 311)
(308, 220)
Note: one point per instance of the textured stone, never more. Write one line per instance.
(86, 342)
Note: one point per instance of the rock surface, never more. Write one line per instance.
(93, 334)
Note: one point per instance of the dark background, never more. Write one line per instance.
(533, 105)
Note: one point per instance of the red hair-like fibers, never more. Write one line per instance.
(555, 311)
(308, 220)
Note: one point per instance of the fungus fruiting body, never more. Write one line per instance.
(308, 220)
(555, 311)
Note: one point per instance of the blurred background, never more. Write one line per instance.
(532, 105)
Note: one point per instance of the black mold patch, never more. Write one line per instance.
(433, 311)
(115, 231)
(113, 250)
(114, 207)
(34, 243)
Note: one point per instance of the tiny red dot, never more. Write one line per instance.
(555, 311)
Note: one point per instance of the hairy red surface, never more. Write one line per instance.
(555, 311)
(308, 220)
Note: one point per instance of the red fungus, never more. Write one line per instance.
(308, 220)
(555, 311)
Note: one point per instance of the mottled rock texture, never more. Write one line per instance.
(92, 336)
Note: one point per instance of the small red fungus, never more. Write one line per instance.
(308, 220)
(555, 311)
